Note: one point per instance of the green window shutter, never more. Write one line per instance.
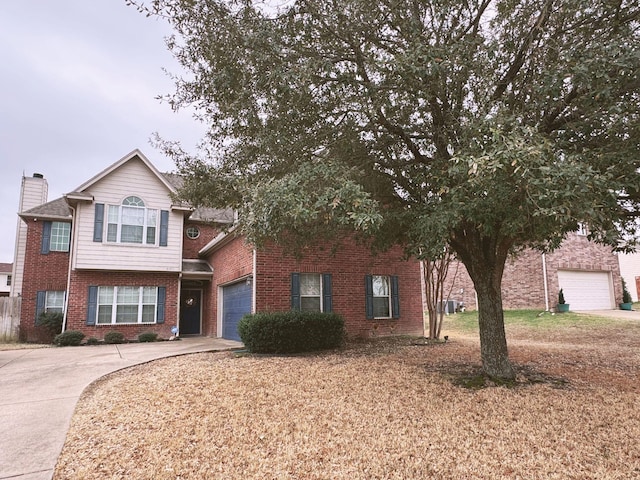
(327, 301)
(41, 298)
(46, 238)
(368, 296)
(164, 228)
(92, 305)
(98, 222)
(295, 291)
(395, 297)
(162, 298)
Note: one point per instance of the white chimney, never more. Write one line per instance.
(33, 192)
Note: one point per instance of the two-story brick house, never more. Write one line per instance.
(117, 253)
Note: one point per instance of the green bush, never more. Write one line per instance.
(113, 337)
(93, 341)
(291, 332)
(69, 338)
(148, 337)
(52, 321)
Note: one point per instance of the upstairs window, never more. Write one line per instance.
(55, 237)
(132, 222)
(60, 235)
(9, 280)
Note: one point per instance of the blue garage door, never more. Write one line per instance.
(236, 303)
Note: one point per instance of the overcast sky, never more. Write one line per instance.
(77, 92)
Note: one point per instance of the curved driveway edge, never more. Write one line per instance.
(39, 390)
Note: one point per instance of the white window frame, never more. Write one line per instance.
(59, 237)
(149, 221)
(192, 232)
(113, 304)
(378, 296)
(9, 279)
(51, 301)
(307, 295)
(583, 231)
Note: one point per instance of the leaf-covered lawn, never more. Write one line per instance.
(388, 410)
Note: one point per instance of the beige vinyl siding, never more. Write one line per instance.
(132, 178)
(33, 192)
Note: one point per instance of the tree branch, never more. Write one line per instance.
(520, 57)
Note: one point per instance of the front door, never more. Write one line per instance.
(190, 312)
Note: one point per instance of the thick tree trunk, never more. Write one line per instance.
(493, 340)
(485, 259)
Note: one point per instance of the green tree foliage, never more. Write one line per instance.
(487, 126)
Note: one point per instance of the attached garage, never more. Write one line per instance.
(236, 303)
(587, 290)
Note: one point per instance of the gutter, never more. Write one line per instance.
(72, 243)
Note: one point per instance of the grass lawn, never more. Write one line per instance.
(391, 409)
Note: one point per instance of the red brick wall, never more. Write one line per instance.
(348, 266)
(523, 280)
(231, 262)
(41, 272)
(191, 246)
(79, 292)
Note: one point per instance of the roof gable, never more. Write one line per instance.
(135, 154)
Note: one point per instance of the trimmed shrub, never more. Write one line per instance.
(113, 337)
(291, 332)
(93, 341)
(69, 338)
(148, 337)
(52, 321)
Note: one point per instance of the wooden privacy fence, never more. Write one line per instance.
(9, 318)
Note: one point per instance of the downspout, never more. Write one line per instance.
(253, 286)
(71, 254)
(544, 279)
(177, 334)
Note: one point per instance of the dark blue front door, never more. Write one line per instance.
(236, 303)
(190, 312)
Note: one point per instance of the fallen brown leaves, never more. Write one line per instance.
(390, 410)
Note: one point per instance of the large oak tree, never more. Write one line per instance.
(485, 126)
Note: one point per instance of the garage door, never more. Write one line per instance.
(586, 290)
(236, 303)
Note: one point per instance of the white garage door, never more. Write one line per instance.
(586, 290)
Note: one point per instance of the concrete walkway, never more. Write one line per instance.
(39, 389)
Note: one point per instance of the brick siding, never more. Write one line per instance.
(46, 272)
(523, 280)
(348, 264)
(79, 292)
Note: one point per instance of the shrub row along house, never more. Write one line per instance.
(118, 254)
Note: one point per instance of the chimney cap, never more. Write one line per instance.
(38, 175)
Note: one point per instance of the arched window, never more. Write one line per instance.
(132, 222)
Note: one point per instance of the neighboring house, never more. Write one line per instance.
(588, 273)
(118, 253)
(6, 276)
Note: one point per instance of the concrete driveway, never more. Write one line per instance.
(618, 314)
(39, 389)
